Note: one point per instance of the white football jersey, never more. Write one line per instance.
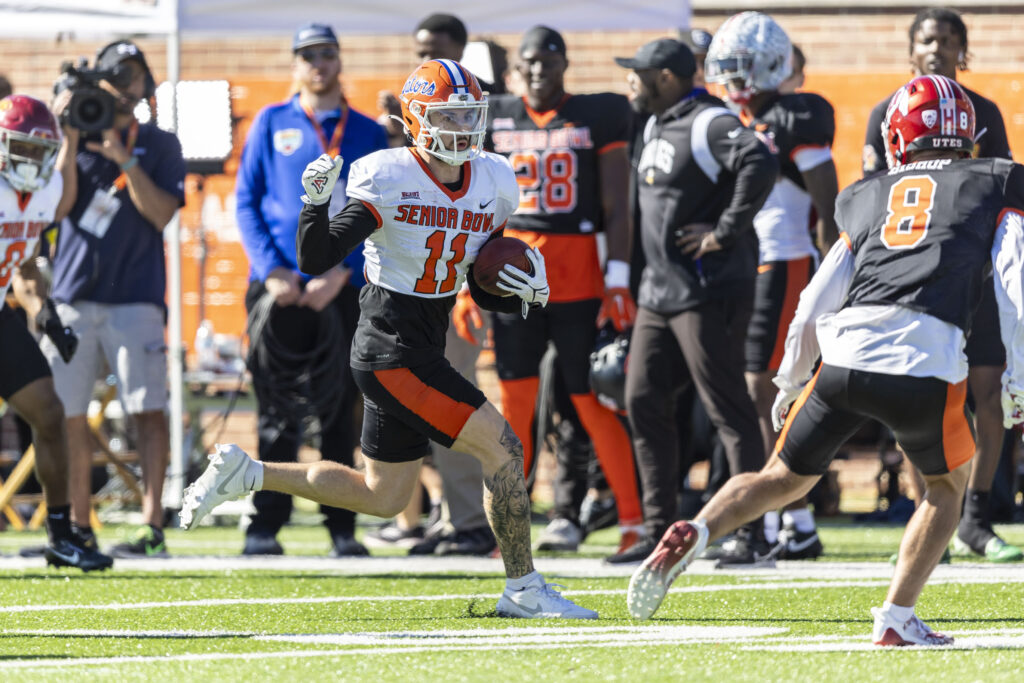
(428, 235)
(22, 220)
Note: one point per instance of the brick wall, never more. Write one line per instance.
(840, 40)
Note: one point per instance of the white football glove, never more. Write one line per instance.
(532, 289)
(780, 409)
(1013, 406)
(319, 178)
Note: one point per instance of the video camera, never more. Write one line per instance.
(91, 108)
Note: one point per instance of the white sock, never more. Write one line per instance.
(897, 612)
(802, 519)
(524, 581)
(254, 476)
(771, 526)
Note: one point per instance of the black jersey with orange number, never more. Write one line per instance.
(555, 157)
(923, 232)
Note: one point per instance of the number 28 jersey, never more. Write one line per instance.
(922, 233)
(428, 235)
(23, 217)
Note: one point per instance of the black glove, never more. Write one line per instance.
(62, 336)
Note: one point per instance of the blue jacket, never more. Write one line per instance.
(281, 142)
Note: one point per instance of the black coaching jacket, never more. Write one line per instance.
(697, 163)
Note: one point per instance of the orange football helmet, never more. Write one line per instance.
(445, 111)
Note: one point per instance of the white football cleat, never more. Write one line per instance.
(678, 546)
(540, 600)
(889, 632)
(231, 474)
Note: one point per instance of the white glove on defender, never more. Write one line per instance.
(780, 409)
(532, 289)
(1013, 406)
(319, 178)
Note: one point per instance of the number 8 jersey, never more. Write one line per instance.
(428, 234)
(922, 233)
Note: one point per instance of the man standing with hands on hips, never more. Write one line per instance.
(109, 279)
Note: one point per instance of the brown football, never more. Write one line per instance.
(493, 257)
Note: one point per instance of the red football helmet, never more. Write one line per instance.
(29, 139)
(445, 111)
(929, 112)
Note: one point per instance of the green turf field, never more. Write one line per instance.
(308, 617)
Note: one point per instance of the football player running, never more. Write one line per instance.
(30, 190)
(750, 56)
(888, 312)
(570, 158)
(425, 211)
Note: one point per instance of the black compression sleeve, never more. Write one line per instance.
(321, 244)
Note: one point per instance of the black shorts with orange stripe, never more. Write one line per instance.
(406, 408)
(21, 361)
(776, 295)
(928, 417)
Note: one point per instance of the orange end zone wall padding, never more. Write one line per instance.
(210, 203)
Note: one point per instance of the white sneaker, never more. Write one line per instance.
(231, 474)
(889, 632)
(540, 600)
(560, 534)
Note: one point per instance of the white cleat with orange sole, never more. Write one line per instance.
(678, 547)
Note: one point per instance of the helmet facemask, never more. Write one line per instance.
(444, 125)
(26, 160)
(735, 73)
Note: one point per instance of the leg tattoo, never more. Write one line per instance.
(507, 504)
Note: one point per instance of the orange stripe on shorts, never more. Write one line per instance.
(794, 409)
(957, 438)
(797, 276)
(439, 410)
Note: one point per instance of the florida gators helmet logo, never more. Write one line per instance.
(445, 111)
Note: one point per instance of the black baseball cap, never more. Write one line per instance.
(697, 39)
(664, 53)
(542, 38)
(111, 55)
(313, 34)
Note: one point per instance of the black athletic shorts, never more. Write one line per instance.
(520, 344)
(404, 408)
(984, 344)
(21, 361)
(927, 416)
(776, 294)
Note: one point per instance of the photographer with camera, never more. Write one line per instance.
(123, 182)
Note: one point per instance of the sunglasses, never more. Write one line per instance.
(311, 55)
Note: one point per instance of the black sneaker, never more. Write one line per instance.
(636, 553)
(149, 542)
(346, 545)
(798, 545)
(261, 544)
(598, 514)
(67, 553)
(478, 541)
(748, 549)
(85, 540)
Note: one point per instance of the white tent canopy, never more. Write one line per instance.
(23, 18)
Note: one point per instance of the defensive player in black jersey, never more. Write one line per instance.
(888, 313)
(424, 213)
(751, 57)
(938, 45)
(570, 158)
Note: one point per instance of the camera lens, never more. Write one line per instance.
(91, 110)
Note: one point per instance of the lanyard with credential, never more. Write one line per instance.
(121, 181)
(334, 146)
